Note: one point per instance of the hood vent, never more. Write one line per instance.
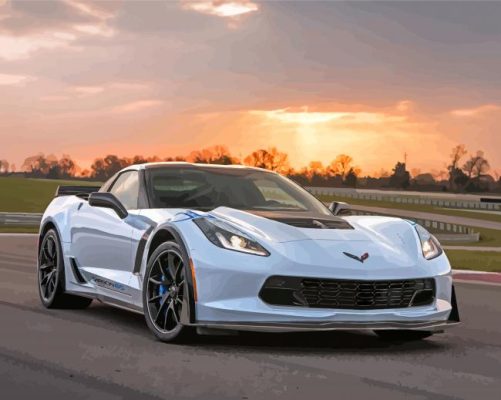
(315, 223)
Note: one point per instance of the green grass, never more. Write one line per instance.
(414, 207)
(475, 260)
(488, 237)
(18, 229)
(31, 195)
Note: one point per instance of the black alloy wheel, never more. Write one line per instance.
(165, 292)
(48, 273)
(51, 276)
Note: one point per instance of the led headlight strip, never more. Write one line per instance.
(228, 237)
(429, 244)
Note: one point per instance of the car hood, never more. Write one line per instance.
(389, 241)
(393, 240)
(287, 226)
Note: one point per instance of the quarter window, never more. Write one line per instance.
(126, 189)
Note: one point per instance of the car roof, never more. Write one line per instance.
(182, 164)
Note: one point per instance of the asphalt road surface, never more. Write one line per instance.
(106, 353)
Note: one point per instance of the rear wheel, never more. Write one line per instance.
(165, 293)
(51, 276)
(402, 335)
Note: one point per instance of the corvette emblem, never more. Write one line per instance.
(362, 258)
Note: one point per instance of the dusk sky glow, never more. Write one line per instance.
(374, 80)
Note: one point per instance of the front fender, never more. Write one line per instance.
(164, 232)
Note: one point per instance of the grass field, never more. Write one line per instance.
(475, 260)
(18, 229)
(30, 195)
(415, 207)
(488, 237)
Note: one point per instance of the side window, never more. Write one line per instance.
(107, 184)
(126, 189)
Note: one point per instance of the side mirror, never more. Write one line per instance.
(108, 200)
(340, 208)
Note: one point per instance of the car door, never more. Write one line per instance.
(102, 241)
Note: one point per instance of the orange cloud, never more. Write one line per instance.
(405, 105)
(17, 47)
(225, 9)
(137, 106)
(14, 80)
(306, 117)
(476, 111)
(89, 9)
(87, 90)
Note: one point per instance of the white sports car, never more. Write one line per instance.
(210, 248)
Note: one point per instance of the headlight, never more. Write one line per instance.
(429, 244)
(226, 236)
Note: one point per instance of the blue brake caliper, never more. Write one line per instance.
(161, 288)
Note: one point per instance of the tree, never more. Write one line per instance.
(104, 168)
(271, 159)
(476, 169)
(476, 166)
(176, 158)
(213, 155)
(456, 174)
(351, 178)
(137, 159)
(400, 177)
(342, 165)
(4, 166)
(39, 165)
(62, 169)
(315, 169)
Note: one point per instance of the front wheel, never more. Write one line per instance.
(402, 335)
(51, 276)
(165, 293)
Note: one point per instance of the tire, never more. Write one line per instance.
(164, 291)
(402, 335)
(50, 273)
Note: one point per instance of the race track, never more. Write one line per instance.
(106, 353)
(447, 219)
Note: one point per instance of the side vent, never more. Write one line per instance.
(76, 271)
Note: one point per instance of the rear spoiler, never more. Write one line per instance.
(81, 191)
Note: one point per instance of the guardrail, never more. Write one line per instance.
(418, 199)
(20, 219)
(448, 231)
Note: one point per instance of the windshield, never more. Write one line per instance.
(211, 187)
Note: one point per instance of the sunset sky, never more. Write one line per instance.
(315, 79)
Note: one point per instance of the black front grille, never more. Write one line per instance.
(347, 294)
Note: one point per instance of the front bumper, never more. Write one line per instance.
(229, 283)
(299, 326)
(328, 326)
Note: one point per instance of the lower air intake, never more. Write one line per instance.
(347, 294)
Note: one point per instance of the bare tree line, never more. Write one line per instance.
(464, 173)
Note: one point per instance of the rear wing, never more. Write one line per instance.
(80, 191)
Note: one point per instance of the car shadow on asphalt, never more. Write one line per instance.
(345, 342)
(340, 342)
